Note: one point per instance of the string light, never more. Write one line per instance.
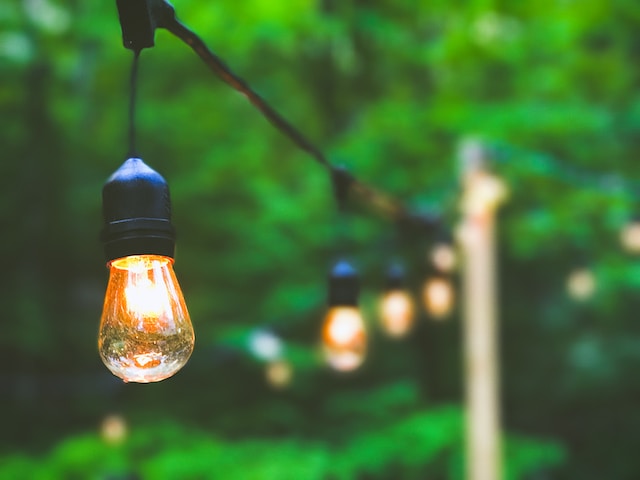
(439, 296)
(344, 337)
(443, 257)
(396, 306)
(581, 284)
(265, 345)
(145, 331)
(113, 429)
(279, 373)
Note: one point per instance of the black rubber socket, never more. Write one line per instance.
(137, 213)
(344, 285)
(395, 277)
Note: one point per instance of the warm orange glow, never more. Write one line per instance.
(630, 237)
(438, 297)
(279, 373)
(396, 313)
(145, 332)
(344, 338)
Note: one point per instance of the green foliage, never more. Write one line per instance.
(167, 451)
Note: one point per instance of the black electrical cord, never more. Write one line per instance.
(133, 92)
(139, 19)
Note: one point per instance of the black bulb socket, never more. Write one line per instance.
(395, 277)
(344, 285)
(137, 213)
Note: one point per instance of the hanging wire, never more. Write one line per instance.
(382, 202)
(133, 92)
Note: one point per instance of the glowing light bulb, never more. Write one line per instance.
(438, 295)
(145, 331)
(344, 338)
(630, 237)
(396, 313)
(581, 284)
(443, 257)
(265, 345)
(279, 373)
(113, 429)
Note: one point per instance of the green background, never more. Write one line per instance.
(389, 88)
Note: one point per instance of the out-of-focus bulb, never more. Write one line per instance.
(443, 257)
(113, 429)
(630, 237)
(581, 284)
(396, 312)
(438, 297)
(279, 373)
(344, 338)
(145, 331)
(265, 345)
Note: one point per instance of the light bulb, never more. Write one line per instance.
(396, 312)
(114, 429)
(344, 338)
(279, 373)
(145, 331)
(438, 297)
(581, 284)
(265, 345)
(443, 257)
(630, 237)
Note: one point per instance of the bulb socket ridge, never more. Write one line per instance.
(344, 285)
(137, 213)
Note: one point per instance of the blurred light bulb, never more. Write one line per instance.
(344, 338)
(581, 284)
(396, 312)
(279, 373)
(265, 345)
(630, 237)
(443, 257)
(145, 331)
(438, 297)
(113, 429)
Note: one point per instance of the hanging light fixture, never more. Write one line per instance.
(396, 306)
(344, 337)
(438, 292)
(145, 331)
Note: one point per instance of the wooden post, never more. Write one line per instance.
(482, 195)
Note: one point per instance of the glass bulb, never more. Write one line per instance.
(630, 237)
(581, 284)
(279, 373)
(145, 331)
(344, 338)
(438, 297)
(396, 313)
(114, 429)
(443, 257)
